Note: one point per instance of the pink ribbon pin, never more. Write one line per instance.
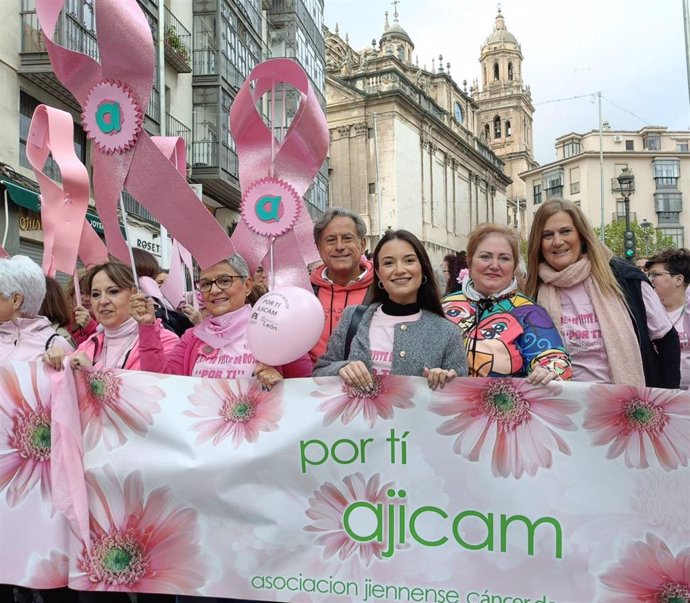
(274, 175)
(113, 95)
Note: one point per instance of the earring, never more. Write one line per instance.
(424, 279)
(380, 285)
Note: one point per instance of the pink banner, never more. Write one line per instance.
(113, 95)
(488, 490)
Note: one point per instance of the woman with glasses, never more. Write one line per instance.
(216, 348)
(669, 272)
(116, 344)
(611, 322)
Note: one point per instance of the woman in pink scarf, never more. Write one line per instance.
(217, 347)
(611, 321)
(116, 343)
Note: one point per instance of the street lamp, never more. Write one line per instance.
(646, 226)
(626, 182)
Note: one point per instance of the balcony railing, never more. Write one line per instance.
(69, 33)
(620, 215)
(133, 207)
(178, 43)
(211, 154)
(174, 127)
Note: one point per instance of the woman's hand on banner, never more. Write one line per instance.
(54, 357)
(357, 374)
(438, 377)
(267, 375)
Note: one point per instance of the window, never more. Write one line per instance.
(372, 188)
(497, 127)
(664, 202)
(510, 71)
(682, 147)
(27, 105)
(652, 142)
(400, 52)
(574, 181)
(666, 172)
(457, 112)
(496, 72)
(570, 148)
(507, 129)
(629, 145)
(553, 183)
(676, 234)
(536, 192)
(487, 133)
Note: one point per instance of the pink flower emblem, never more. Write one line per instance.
(519, 418)
(227, 410)
(50, 573)
(326, 508)
(113, 402)
(639, 421)
(649, 573)
(138, 542)
(345, 401)
(25, 433)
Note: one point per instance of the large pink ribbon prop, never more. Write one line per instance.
(113, 95)
(273, 183)
(66, 233)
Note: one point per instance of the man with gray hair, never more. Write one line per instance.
(344, 278)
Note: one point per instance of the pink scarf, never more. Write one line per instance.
(218, 331)
(617, 330)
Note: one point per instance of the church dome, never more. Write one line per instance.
(395, 32)
(500, 34)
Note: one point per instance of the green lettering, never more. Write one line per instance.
(377, 509)
(531, 528)
(488, 520)
(413, 526)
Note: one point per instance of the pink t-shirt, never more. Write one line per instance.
(680, 319)
(232, 361)
(582, 336)
(658, 322)
(381, 333)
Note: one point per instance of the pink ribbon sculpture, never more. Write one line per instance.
(274, 175)
(113, 95)
(63, 210)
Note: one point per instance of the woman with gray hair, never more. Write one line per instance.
(24, 335)
(217, 347)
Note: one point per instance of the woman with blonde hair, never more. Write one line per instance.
(506, 333)
(612, 322)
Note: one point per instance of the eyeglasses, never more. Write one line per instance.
(222, 282)
(653, 275)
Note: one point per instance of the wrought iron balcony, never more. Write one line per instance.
(616, 187)
(178, 44)
(173, 127)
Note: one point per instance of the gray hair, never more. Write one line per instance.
(20, 274)
(339, 212)
(239, 265)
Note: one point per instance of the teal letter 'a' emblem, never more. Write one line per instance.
(108, 117)
(268, 208)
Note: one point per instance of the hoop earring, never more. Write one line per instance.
(380, 285)
(424, 279)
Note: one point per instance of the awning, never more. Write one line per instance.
(29, 199)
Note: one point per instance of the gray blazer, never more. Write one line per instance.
(431, 341)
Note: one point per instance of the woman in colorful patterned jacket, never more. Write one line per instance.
(506, 333)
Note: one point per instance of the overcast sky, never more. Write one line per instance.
(632, 50)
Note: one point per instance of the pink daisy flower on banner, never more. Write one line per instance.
(114, 402)
(24, 438)
(138, 542)
(346, 401)
(326, 509)
(50, 573)
(227, 410)
(518, 417)
(639, 421)
(649, 573)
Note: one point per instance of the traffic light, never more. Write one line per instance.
(629, 245)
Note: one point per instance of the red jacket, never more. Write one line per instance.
(335, 298)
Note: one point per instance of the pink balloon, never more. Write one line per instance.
(285, 324)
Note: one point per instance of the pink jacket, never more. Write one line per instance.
(182, 358)
(28, 338)
(94, 344)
